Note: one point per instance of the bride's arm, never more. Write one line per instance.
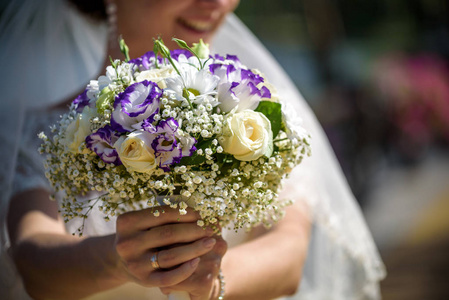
(57, 265)
(51, 262)
(270, 265)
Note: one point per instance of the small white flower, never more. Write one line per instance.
(205, 133)
(186, 193)
(158, 184)
(258, 185)
(197, 180)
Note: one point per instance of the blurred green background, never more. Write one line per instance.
(376, 74)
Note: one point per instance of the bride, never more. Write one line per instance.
(320, 250)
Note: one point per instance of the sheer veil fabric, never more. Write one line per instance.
(343, 262)
(50, 51)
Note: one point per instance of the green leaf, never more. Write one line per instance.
(227, 162)
(195, 159)
(272, 110)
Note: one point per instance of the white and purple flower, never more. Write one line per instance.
(169, 145)
(147, 61)
(238, 87)
(81, 101)
(140, 101)
(102, 143)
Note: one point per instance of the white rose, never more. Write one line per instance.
(247, 135)
(136, 153)
(78, 130)
(156, 75)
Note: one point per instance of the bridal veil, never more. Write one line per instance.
(342, 261)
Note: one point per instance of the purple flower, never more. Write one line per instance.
(177, 52)
(139, 102)
(81, 101)
(250, 76)
(218, 57)
(101, 142)
(265, 92)
(146, 61)
(147, 125)
(222, 71)
(165, 141)
(238, 86)
(245, 96)
(187, 145)
(234, 58)
(168, 145)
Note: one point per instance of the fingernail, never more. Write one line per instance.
(194, 262)
(209, 231)
(208, 243)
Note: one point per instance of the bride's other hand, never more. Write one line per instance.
(175, 241)
(204, 283)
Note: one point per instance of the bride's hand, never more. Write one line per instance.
(139, 236)
(204, 283)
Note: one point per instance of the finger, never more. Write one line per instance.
(201, 282)
(144, 219)
(221, 246)
(175, 276)
(141, 265)
(174, 234)
(177, 255)
(199, 287)
(133, 245)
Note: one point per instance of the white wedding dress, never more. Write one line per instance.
(49, 52)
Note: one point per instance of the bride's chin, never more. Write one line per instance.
(192, 34)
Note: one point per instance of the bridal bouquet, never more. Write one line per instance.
(181, 128)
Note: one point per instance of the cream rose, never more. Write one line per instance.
(157, 75)
(247, 135)
(135, 152)
(78, 130)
